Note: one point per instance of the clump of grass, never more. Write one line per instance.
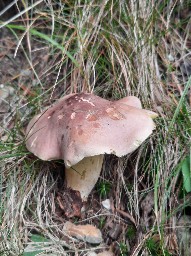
(103, 188)
(113, 49)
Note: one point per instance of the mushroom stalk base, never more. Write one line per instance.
(84, 175)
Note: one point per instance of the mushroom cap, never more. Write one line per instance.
(131, 101)
(83, 125)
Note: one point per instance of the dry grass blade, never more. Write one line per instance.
(111, 48)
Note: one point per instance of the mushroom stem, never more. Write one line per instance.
(84, 175)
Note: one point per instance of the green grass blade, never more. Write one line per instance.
(46, 38)
(188, 84)
(186, 174)
(39, 245)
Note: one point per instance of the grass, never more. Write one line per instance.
(114, 49)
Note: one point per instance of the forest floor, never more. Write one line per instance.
(49, 49)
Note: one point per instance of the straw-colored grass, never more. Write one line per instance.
(113, 49)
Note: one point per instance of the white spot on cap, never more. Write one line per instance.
(49, 117)
(73, 115)
(88, 101)
(60, 117)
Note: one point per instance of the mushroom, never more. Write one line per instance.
(81, 128)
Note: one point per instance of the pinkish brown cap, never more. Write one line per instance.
(83, 125)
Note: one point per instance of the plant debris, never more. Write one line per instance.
(86, 233)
